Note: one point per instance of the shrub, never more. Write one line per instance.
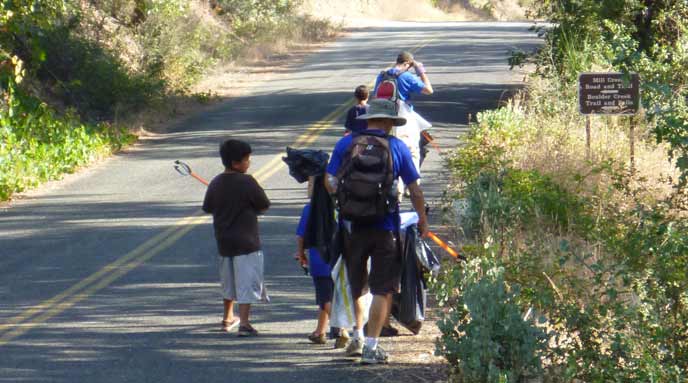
(85, 76)
(37, 144)
(484, 334)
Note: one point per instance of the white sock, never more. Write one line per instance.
(358, 333)
(371, 343)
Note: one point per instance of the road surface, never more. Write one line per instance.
(111, 277)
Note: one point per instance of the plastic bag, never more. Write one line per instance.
(342, 314)
(408, 306)
(427, 258)
(409, 133)
(304, 163)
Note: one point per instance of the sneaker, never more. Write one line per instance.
(341, 341)
(377, 356)
(317, 338)
(247, 331)
(355, 348)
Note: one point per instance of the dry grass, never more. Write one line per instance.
(503, 10)
(556, 146)
(352, 11)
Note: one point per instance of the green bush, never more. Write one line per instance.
(95, 82)
(610, 280)
(37, 144)
(484, 333)
(103, 60)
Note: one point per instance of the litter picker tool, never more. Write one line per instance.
(185, 170)
(445, 247)
(431, 140)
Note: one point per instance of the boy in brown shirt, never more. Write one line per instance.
(235, 199)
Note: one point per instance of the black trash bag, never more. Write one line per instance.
(304, 163)
(408, 307)
(427, 258)
(423, 145)
(322, 225)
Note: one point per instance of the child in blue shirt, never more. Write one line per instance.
(324, 286)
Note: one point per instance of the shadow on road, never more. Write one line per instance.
(159, 322)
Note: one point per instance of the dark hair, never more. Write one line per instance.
(404, 57)
(361, 92)
(233, 151)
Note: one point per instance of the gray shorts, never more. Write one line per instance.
(241, 278)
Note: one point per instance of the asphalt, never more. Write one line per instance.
(70, 308)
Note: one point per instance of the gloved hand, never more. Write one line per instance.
(419, 68)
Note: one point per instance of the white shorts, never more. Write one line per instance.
(241, 278)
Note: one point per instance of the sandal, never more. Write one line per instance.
(247, 330)
(228, 326)
(317, 338)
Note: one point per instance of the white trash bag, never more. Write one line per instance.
(342, 314)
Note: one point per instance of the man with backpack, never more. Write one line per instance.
(363, 172)
(398, 84)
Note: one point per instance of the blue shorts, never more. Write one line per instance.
(324, 288)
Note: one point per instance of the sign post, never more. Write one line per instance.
(609, 93)
(587, 137)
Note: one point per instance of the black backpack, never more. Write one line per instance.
(366, 190)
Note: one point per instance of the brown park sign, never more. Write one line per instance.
(609, 93)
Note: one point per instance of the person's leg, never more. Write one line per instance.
(358, 313)
(379, 313)
(228, 290)
(357, 265)
(244, 312)
(323, 319)
(229, 310)
(385, 275)
(248, 272)
(356, 257)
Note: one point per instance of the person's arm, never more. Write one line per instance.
(330, 183)
(260, 200)
(207, 202)
(300, 255)
(409, 174)
(420, 71)
(418, 202)
(330, 179)
(350, 119)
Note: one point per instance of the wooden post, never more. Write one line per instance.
(587, 137)
(631, 139)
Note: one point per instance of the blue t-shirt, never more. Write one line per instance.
(402, 164)
(316, 266)
(352, 123)
(407, 84)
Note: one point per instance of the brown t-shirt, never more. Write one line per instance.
(235, 200)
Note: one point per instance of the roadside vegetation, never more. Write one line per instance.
(577, 264)
(73, 73)
(487, 9)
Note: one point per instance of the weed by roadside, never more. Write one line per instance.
(590, 251)
(89, 65)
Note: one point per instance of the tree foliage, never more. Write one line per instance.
(649, 37)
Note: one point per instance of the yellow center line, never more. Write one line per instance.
(106, 269)
(113, 271)
(276, 163)
(40, 313)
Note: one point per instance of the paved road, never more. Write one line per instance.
(111, 277)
